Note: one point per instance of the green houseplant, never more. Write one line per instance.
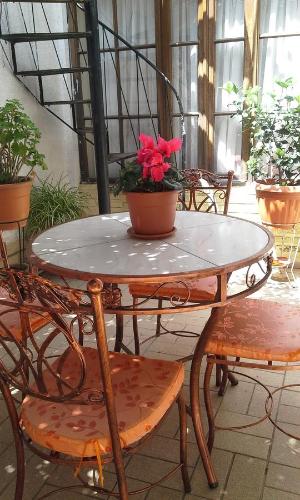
(19, 138)
(53, 203)
(151, 184)
(273, 123)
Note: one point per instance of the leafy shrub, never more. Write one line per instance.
(52, 204)
(18, 140)
(273, 121)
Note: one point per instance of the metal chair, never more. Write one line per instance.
(12, 321)
(202, 191)
(81, 406)
(260, 331)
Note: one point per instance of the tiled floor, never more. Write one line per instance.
(258, 463)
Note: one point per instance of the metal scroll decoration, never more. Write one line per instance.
(264, 267)
(32, 362)
(202, 190)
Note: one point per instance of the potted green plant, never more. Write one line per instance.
(19, 138)
(151, 184)
(273, 122)
(53, 203)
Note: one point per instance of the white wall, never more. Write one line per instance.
(58, 143)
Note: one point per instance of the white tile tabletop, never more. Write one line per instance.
(100, 246)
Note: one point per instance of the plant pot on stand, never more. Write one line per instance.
(15, 204)
(278, 205)
(19, 138)
(272, 122)
(279, 208)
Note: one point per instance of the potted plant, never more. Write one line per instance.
(19, 138)
(53, 203)
(273, 122)
(151, 184)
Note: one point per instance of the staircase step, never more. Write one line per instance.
(48, 72)
(40, 37)
(86, 130)
(116, 157)
(70, 102)
(48, 1)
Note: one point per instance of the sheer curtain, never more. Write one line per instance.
(229, 67)
(184, 72)
(279, 57)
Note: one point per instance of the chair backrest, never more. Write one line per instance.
(35, 366)
(205, 191)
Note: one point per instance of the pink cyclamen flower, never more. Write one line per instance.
(163, 147)
(157, 173)
(151, 156)
(166, 148)
(147, 141)
(144, 155)
(155, 159)
(175, 144)
(146, 172)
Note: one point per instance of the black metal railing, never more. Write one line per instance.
(95, 52)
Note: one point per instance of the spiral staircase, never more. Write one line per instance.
(91, 48)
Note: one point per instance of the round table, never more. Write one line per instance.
(203, 245)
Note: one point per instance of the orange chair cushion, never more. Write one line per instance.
(10, 321)
(144, 390)
(255, 329)
(201, 289)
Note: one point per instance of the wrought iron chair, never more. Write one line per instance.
(12, 321)
(261, 331)
(203, 191)
(82, 406)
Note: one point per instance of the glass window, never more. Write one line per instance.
(192, 135)
(229, 18)
(184, 77)
(136, 21)
(229, 67)
(279, 16)
(184, 21)
(228, 143)
(138, 82)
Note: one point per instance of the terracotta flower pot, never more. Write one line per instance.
(278, 205)
(14, 204)
(152, 213)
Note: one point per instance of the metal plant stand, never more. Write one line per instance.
(18, 226)
(287, 250)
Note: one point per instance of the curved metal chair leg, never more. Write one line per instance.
(218, 375)
(232, 379)
(208, 405)
(183, 443)
(136, 331)
(119, 332)
(224, 381)
(195, 409)
(158, 319)
(14, 419)
(226, 376)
